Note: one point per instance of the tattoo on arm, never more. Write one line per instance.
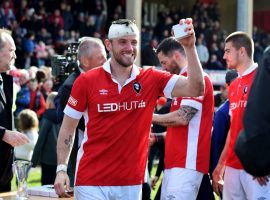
(186, 113)
(69, 142)
(169, 122)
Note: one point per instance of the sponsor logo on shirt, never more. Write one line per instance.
(72, 101)
(239, 104)
(103, 92)
(123, 106)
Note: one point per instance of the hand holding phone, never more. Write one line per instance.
(179, 31)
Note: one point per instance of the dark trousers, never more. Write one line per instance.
(48, 174)
(157, 149)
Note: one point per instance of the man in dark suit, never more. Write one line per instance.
(8, 138)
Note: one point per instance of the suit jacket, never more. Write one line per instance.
(6, 122)
(253, 144)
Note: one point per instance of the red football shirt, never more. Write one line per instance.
(189, 146)
(238, 96)
(118, 120)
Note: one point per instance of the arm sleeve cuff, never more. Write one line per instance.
(2, 132)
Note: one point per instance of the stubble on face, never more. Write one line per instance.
(124, 57)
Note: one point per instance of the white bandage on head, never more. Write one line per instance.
(120, 30)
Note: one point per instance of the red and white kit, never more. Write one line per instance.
(114, 152)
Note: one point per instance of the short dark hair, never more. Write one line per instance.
(241, 39)
(169, 45)
(230, 76)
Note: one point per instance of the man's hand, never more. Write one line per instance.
(217, 182)
(15, 138)
(154, 181)
(151, 139)
(189, 41)
(61, 184)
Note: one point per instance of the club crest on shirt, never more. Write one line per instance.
(245, 89)
(137, 87)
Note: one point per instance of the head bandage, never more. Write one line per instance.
(120, 30)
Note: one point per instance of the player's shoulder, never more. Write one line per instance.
(97, 71)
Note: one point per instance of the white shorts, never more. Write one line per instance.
(180, 184)
(133, 192)
(239, 185)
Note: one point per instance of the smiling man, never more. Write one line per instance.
(117, 101)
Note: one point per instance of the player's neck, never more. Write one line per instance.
(244, 66)
(120, 73)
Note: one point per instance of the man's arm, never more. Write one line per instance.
(192, 86)
(64, 146)
(179, 117)
(219, 170)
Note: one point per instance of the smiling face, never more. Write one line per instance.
(123, 49)
(7, 53)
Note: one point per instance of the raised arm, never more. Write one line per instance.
(64, 146)
(193, 85)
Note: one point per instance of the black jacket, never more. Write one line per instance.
(63, 94)
(6, 122)
(45, 149)
(253, 144)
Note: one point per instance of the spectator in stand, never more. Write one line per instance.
(44, 36)
(37, 101)
(46, 87)
(41, 53)
(238, 184)
(90, 26)
(148, 54)
(214, 63)
(45, 149)
(23, 96)
(6, 14)
(56, 19)
(67, 15)
(28, 124)
(202, 51)
(28, 47)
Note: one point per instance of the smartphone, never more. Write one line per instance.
(179, 31)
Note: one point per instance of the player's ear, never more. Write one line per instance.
(108, 44)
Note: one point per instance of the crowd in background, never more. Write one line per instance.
(43, 28)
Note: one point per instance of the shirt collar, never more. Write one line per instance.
(250, 69)
(134, 72)
(183, 70)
